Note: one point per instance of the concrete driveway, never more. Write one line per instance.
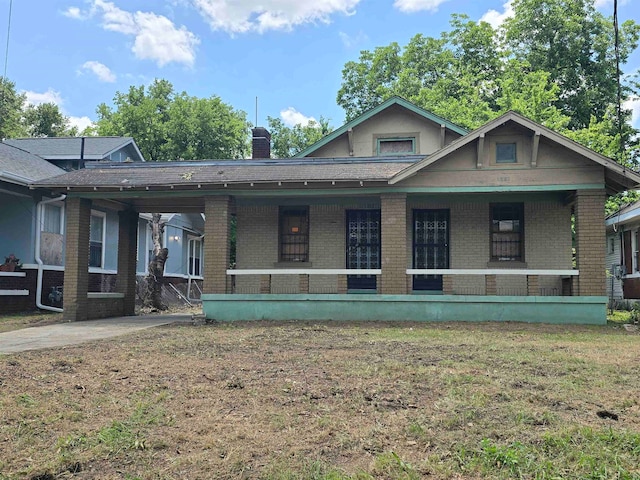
(73, 333)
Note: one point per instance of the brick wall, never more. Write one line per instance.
(105, 308)
(590, 238)
(217, 225)
(394, 260)
(76, 259)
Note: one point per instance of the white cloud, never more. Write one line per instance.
(80, 122)
(235, 16)
(156, 37)
(292, 117)
(495, 18)
(50, 96)
(410, 6)
(350, 41)
(100, 70)
(74, 12)
(633, 105)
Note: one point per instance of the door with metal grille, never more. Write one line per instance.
(430, 246)
(363, 246)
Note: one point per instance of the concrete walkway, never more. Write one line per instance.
(73, 333)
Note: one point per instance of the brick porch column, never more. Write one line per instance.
(127, 244)
(590, 242)
(217, 228)
(393, 214)
(76, 259)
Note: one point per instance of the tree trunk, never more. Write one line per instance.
(153, 297)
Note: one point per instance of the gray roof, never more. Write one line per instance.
(69, 148)
(185, 174)
(19, 166)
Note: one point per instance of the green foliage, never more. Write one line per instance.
(46, 120)
(171, 126)
(552, 62)
(11, 106)
(288, 141)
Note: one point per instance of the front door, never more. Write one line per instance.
(430, 246)
(363, 247)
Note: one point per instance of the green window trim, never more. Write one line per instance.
(397, 140)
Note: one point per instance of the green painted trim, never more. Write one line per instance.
(374, 111)
(364, 307)
(337, 191)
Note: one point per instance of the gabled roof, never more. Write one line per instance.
(21, 167)
(620, 177)
(374, 111)
(70, 148)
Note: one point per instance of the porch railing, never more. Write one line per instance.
(335, 280)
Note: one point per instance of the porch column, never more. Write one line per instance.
(217, 228)
(590, 242)
(76, 259)
(393, 213)
(126, 279)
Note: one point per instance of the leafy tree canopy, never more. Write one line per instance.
(19, 119)
(288, 141)
(171, 126)
(553, 61)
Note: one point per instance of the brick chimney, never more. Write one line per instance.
(261, 143)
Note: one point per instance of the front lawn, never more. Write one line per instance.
(327, 401)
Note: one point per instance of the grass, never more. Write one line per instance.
(17, 321)
(327, 401)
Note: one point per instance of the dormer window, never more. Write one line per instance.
(396, 146)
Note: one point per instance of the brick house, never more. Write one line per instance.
(396, 215)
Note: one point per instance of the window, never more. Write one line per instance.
(507, 232)
(52, 219)
(294, 234)
(506, 153)
(96, 240)
(195, 254)
(636, 250)
(396, 146)
(611, 245)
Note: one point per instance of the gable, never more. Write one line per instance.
(540, 157)
(394, 119)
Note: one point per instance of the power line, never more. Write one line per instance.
(6, 52)
(619, 91)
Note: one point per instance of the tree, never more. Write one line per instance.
(11, 107)
(552, 62)
(288, 141)
(170, 126)
(574, 43)
(46, 120)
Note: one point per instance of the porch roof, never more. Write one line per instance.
(195, 174)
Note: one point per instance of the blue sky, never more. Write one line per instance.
(288, 53)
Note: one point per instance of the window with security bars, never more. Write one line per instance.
(294, 234)
(363, 247)
(507, 232)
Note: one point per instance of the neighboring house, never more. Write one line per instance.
(622, 246)
(397, 215)
(71, 153)
(33, 222)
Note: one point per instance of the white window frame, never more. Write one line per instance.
(59, 205)
(103, 216)
(190, 266)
